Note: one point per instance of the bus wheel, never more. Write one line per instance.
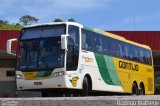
(134, 89)
(142, 90)
(85, 87)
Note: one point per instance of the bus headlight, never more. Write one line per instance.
(56, 74)
(18, 76)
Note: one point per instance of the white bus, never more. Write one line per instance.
(67, 57)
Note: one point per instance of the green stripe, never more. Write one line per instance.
(43, 74)
(107, 69)
(47, 73)
(40, 74)
(112, 70)
(103, 69)
(94, 29)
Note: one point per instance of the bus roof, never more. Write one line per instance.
(114, 36)
(53, 23)
(126, 40)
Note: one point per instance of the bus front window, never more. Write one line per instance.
(51, 55)
(40, 48)
(29, 54)
(41, 54)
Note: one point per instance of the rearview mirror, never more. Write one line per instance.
(64, 39)
(9, 46)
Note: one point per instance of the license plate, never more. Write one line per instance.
(37, 83)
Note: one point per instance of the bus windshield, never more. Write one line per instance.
(40, 49)
(41, 54)
(42, 32)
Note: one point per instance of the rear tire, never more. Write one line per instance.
(134, 89)
(142, 90)
(85, 88)
(157, 91)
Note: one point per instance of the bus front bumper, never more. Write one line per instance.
(54, 82)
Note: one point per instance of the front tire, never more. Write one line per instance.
(85, 88)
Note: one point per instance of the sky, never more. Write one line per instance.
(116, 15)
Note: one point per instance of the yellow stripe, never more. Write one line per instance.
(29, 75)
(125, 40)
(88, 60)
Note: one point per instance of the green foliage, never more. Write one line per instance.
(4, 25)
(25, 20)
(18, 24)
(10, 27)
(28, 20)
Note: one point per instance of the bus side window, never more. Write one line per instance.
(123, 51)
(105, 45)
(120, 48)
(131, 52)
(126, 51)
(98, 43)
(111, 47)
(115, 49)
(88, 42)
(141, 56)
(144, 57)
(91, 41)
(148, 57)
(84, 43)
(136, 54)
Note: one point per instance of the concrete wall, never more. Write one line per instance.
(3, 74)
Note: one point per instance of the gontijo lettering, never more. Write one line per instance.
(130, 66)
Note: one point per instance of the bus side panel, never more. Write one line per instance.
(129, 71)
(103, 78)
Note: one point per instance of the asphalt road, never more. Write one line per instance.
(149, 100)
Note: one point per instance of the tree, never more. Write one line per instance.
(28, 20)
(3, 21)
(58, 20)
(71, 20)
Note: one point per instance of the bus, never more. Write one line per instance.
(67, 57)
